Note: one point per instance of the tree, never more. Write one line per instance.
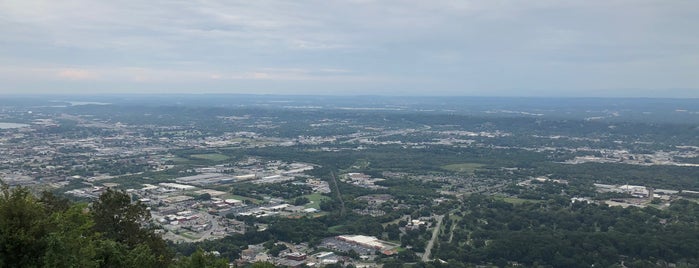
(54, 203)
(263, 265)
(52, 232)
(118, 219)
(72, 240)
(44, 233)
(301, 201)
(353, 254)
(201, 259)
(22, 226)
(393, 263)
(204, 196)
(407, 256)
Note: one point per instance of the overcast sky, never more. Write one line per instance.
(629, 48)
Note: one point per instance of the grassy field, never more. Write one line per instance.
(335, 229)
(180, 160)
(315, 200)
(190, 235)
(240, 197)
(463, 167)
(516, 201)
(211, 157)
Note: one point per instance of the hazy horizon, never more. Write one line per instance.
(321, 94)
(619, 49)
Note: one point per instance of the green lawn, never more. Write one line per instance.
(334, 229)
(211, 157)
(190, 235)
(240, 197)
(516, 201)
(463, 167)
(179, 160)
(315, 200)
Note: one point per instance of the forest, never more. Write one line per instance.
(49, 231)
(561, 234)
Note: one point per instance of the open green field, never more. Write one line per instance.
(211, 157)
(315, 200)
(463, 167)
(516, 201)
(190, 235)
(179, 160)
(240, 197)
(335, 229)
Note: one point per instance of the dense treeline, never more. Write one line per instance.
(528, 164)
(284, 190)
(560, 234)
(401, 159)
(48, 231)
(657, 176)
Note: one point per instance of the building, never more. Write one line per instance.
(297, 256)
(176, 186)
(233, 202)
(366, 242)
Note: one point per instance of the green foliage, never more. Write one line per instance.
(23, 229)
(298, 230)
(657, 176)
(408, 256)
(52, 232)
(468, 168)
(72, 240)
(204, 196)
(263, 265)
(411, 192)
(301, 201)
(393, 263)
(275, 249)
(116, 218)
(560, 234)
(283, 190)
(212, 157)
(201, 259)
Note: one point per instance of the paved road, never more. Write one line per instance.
(435, 232)
(214, 227)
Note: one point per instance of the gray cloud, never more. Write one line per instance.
(494, 47)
